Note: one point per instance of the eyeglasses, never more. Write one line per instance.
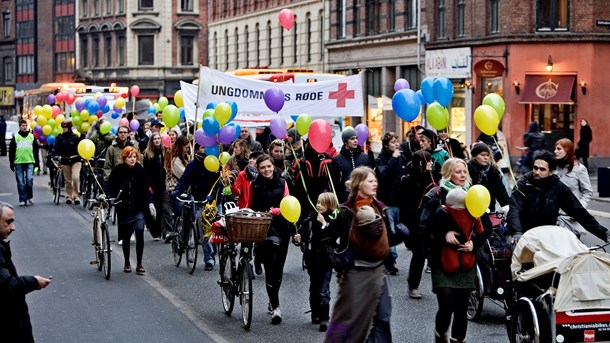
(125, 132)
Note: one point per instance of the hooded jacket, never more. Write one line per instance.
(113, 155)
(342, 167)
(241, 187)
(198, 179)
(489, 177)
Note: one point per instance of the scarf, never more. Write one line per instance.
(448, 185)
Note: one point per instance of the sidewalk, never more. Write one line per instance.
(596, 197)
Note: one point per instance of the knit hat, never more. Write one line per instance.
(366, 214)
(348, 133)
(478, 148)
(430, 135)
(456, 198)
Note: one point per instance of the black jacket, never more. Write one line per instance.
(15, 323)
(268, 193)
(316, 242)
(133, 182)
(66, 146)
(453, 147)
(343, 165)
(156, 172)
(489, 177)
(198, 179)
(413, 187)
(537, 202)
(389, 171)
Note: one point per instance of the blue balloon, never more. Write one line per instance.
(427, 89)
(406, 104)
(181, 110)
(211, 105)
(421, 96)
(234, 110)
(443, 91)
(294, 118)
(115, 115)
(211, 126)
(212, 151)
(93, 107)
(88, 101)
(237, 129)
(106, 108)
(114, 130)
(51, 139)
(152, 110)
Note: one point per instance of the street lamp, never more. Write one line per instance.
(549, 65)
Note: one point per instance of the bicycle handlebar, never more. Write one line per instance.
(183, 198)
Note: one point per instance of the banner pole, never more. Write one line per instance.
(196, 112)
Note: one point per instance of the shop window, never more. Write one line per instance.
(552, 15)
(556, 121)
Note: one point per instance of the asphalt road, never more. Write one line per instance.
(168, 304)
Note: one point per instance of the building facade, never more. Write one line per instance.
(7, 56)
(152, 44)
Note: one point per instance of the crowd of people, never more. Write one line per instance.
(356, 209)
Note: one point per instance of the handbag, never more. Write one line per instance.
(170, 180)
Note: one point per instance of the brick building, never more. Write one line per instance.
(7, 56)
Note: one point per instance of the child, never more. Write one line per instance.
(315, 245)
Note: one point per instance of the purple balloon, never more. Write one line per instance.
(80, 105)
(204, 140)
(134, 124)
(401, 84)
(51, 99)
(278, 127)
(38, 129)
(102, 101)
(226, 134)
(362, 132)
(274, 99)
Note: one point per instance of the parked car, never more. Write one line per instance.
(12, 127)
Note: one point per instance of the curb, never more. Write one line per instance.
(606, 200)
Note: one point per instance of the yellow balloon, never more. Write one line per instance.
(178, 98)
(38, 110)
(47, 111)
(96, 95)
(224, 157)
(486, 119)
(84, 127)
(41, 120)
(477, 200)
(60, 118)
(92, 119)
(222, 113)
(84, 115)
(211, 163)
(86, 148)
(46, 129)
(75, 131)
(290, 208)
(119, 103)
(199, 123)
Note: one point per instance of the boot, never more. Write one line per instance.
(315, 311)
(440, 339)
(324, 310)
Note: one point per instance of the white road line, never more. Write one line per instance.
(600, 213)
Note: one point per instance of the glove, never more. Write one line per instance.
(209, 198)
(153, 211)
(275, 211)
(505, 209)
(35, 170)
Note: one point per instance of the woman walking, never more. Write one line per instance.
(154, 156)
(586, 136)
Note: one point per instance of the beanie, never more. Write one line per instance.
(348, 133)
(456, 198)
(430, 135)
(478, 148)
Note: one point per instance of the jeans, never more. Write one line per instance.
(394, 219)
(24, 173)
(319, 290)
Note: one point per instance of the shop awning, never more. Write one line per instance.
(548, 89)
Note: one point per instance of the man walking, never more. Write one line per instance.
(14, 316)
(23, 156)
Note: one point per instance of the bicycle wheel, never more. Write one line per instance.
(192, 248)
(475, 300)
(105, 249)
(57, 187)
(97, 243)
(227, 278)
(87, 193)
(245, 292)
(176, 246)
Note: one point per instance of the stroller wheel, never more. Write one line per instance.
(475, 300)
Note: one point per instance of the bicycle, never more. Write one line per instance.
(244, 228)
(101, 236)
(89, 175)
(186, 235)
(58, 179)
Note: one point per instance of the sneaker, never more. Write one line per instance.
(22, 203)
(208, 267)
(120, 242)
(127, 268)
(415, 294)
(156, 239)
(276, 316)
(323, 326)
(68, 202)
(76, 201)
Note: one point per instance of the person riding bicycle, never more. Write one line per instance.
(66, 146)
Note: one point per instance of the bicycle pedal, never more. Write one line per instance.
(93, 262)
(224, 283)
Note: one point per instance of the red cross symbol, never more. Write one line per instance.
(341, 95)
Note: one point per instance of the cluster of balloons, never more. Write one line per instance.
(60, 97)
(286, 18)
(216, 128)
(488, 116)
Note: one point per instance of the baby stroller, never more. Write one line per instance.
(561, 289)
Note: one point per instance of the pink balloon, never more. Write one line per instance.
(320, 135)
(123, 122)
(166, 139)
(70, 99)
(56, 110)
(362, 132)
(135, 90)
(60, 97)
(286, 18)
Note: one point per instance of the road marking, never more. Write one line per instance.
(6, 194)
(600, 213)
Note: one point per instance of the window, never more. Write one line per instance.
(236, 47)
(6, 24)
(411, 14)
(322, 36)
(186, 5)
(461, 4)
(341, 18)
(108, 6)
(186, 49)
(25, 64)
(215, 54)
(64, 28)
(356, 11)
(84, 57)
(121, 6)
(108, 48)
(372, 17)
(96, 7)
(281, 45)
(257, 42)
(373, 82)
(269, 43)
(146, 5)
(64, 62)
(226, 49)
(295, 56)
(308, 37)
(84, 8)
(9, 75)
(392, 15)
(235, 6)
(494, 16)
(120, 47)
(247, 48)
(552, 15)
(146, 50)
(24, 31)
(95, 48)
(440, 30)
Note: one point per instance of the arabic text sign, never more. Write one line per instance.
(450, 63)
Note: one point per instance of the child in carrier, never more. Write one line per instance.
(314, 239)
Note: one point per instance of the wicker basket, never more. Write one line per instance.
(248, 227)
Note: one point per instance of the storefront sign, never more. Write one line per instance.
(488, 68)
(6, 96)
(602, 22)
(449, 63)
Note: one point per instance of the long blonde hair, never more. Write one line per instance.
(356, 178)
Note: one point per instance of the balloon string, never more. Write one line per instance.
(510, 168)
(94, 177)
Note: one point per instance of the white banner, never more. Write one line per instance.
(333, 98)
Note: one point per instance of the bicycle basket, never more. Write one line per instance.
(248, 227)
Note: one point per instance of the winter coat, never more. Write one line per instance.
(102, 142)
(439, 156)
(316, 242)
(241, 187)
(198, 179)
(577, 181)
(14, 315)
(453, 147)
(489, 177)
(132, 183)
(389, 172)
(413, 187)
(342, 167)
(537, 202)
(155, 171)
(586, 136)
(113, 155)
(66, 146)
(266, 194)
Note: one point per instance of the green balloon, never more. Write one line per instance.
(51, 122)
(105, 127)
(303, 123)
(76, 121)
(163, 102)
(208, 113)
(74, 113)
(437, 115)
(171, 116)
(494, 100)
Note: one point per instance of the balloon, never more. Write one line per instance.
(38, 129)
(41, 120)
(204, 140)
(105, 109)
(495, 100)
(134, 124)
(51, 139)
(38, 110)
(421, 96)
(56, 110)
(84, 115)
(152, 110)
(211, 105)
(212, 151)
(170, 116)
(406, 104)
(222, 113)
(51, 99)
(362, 132)
(119, 103)
(47, 111)
(46, 130)
(60, 97)
(290, 208)
(320, 135)
(237, 129)
(115, 115)
(101, 101)
(234, 110)
(96, 95)
(211, 163)
(135, 90)
(166, 140)
(84, 127)
(302, 123)
(181, 111)
(77, 121)
(70, 99)
(123, 122)
(210, 126)
(105, 127)
(286, 19)
(226, 135)
(274, 99)
(60, 118)
(86, 149)
(157, 108)
(209, 113)
(477, 200)
(443, 91)
(224, 157)
(51, 122)
(93, 107)
(438, 116)
(178, 98)
(80, 105)
(278, 127)
(74, 113)
(57, 131)
(486, 119)
(401, 84)
(75, 131)
(427, 89)
(163, 102)
(93, 119)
